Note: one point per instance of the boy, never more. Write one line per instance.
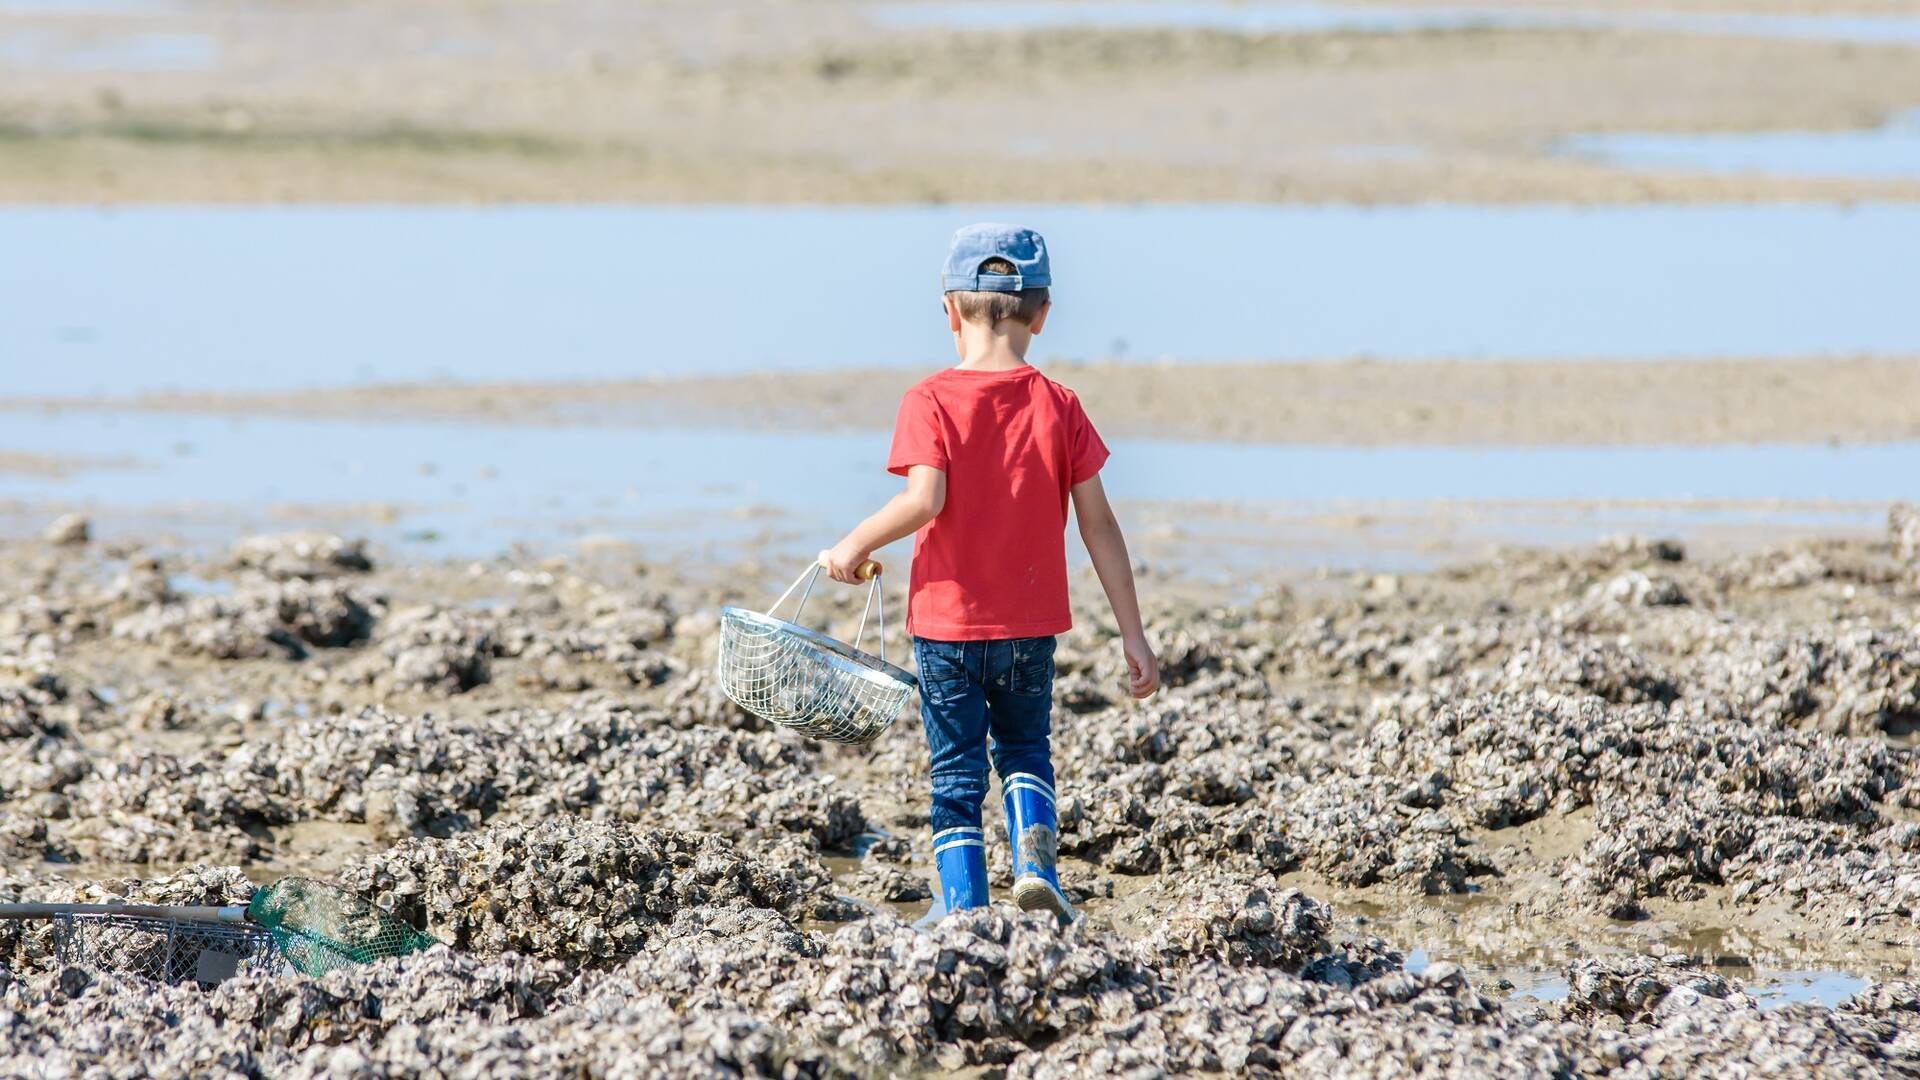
(992, 450)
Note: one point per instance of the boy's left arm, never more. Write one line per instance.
(1107, 548)
(925, 495)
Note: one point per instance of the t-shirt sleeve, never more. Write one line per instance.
(1086, 453)
(917, 436)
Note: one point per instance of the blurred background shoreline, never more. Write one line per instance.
(1520, 272)
(133, 101)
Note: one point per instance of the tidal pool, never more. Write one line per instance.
(1771, 989)
(476, 490)
(1889, 152)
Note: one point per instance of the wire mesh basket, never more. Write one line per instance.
(166, 950)
(802, 679)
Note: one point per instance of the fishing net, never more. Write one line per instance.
(319, 928)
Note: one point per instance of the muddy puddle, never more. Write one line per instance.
(156, 298)
(1538, 975)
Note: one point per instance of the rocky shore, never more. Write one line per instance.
(1592, 761)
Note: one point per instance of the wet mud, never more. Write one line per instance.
(1358, 812)
(1358, 403)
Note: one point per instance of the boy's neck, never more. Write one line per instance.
(995, 348)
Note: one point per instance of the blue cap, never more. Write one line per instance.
(975, 244)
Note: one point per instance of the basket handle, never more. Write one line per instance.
(868, 571)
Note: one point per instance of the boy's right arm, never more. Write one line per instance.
(903, 515)
(1108, 550)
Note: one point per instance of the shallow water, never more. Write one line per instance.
(1828, 988)
(1771, 989)
(1268, 18)
(117, 301)
(142, 51)
(87, 7)
(471, 489)
(1872, 29)
(1303, 18)
(1890, 152)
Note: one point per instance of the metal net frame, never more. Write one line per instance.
(166, 950)
(802, 679)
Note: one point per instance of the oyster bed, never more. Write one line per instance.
(1642, 771)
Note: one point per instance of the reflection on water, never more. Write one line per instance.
(1828, 988)
(470, 489)
(1303, 18)
(1891, 152)
(1771, 989)
(264, 297)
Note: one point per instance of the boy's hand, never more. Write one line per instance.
(842, 561)
(1143, 669)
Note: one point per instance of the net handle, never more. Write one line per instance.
(181, 913)
(869, 570)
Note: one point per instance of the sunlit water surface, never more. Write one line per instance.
(118, 301)
(474, 489)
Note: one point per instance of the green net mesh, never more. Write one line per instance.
(319, 928)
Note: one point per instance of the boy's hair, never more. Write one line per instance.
(992, 308)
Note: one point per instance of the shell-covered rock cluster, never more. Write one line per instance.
(732, 994)
(269, 619)
(1584, 753)
(576, 890)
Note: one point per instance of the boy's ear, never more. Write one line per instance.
(1040, 319)
(953, 313)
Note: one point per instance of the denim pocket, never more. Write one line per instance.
(1033, 667)
(944, 689)
(943, 672)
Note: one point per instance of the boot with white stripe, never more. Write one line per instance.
(960, 854)
(1035, 832)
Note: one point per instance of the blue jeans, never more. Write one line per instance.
(970, 690)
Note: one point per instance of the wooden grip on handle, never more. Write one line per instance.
(866, 571)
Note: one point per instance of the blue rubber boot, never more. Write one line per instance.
(961, 857)
(1035, 831)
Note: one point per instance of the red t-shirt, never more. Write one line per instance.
(993, 564)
